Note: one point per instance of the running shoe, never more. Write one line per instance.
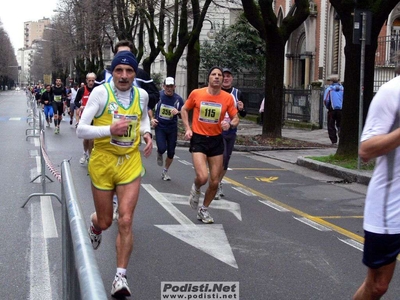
(194, 197)
(70, 122)
(94, 238)
(120, 287)
(56, 130)
(115, 208)
(165, 176)
(220, 190)
(84, 159)
(204, 216)
(76, 125)
(159, 159)
(219, 193)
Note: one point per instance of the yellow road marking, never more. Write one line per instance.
(263, 179)
(256, 169)
(298, 212)
(340, 217)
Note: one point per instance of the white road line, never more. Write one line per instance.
(38, 164)
(312, 224)
(243, 191)
(48, 220)
(14, 119)
(39, 275)
(274, 206)
(353, 243)
(36, 142)
(185, 162)
(168, 206)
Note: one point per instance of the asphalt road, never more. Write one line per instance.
(280, 232)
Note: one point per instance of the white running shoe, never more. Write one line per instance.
(120, 287)
(165, 176)
(219, 193)
(83, 159)
(115, 209)
(159, 159)
(220, 190)
(94, 238)
(204, 216)
(194, 197)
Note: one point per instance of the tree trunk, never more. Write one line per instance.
(193, 63)
(273, 104)
(348, 137)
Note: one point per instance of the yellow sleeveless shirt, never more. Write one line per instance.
(113, 111)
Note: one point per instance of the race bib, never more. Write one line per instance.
(57, 98)
(210, 112)
(166, 112)
(128, 139)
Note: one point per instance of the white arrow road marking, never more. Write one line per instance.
(210, 239)
(230, 206)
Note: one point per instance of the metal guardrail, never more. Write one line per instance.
(81, 279)
(78, 255)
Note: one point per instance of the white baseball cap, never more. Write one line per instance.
(169, 81)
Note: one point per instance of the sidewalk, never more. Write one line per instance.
(299, 157)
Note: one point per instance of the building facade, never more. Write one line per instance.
(33, 31)
(314, 51)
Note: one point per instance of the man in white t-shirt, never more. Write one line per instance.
(72, 107)
(380, 140)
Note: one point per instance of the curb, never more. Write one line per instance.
(362, 177)
(243, 148)
(348, 176)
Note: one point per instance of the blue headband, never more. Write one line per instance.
(124, 58)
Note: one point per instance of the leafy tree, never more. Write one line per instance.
(261, 15)
(238, 47)
(349, 135)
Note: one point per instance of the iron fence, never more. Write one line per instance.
(386, 59)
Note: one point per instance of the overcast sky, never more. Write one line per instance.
(14, 14)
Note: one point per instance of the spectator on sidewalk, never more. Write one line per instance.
(380, 140)
(333, 100)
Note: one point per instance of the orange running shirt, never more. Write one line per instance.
(209, 110)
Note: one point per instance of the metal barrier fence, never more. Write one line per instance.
(78, 255)
(81, 278)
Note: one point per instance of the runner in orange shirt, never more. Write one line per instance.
(209, 106)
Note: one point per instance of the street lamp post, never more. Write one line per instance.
(211, 33)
